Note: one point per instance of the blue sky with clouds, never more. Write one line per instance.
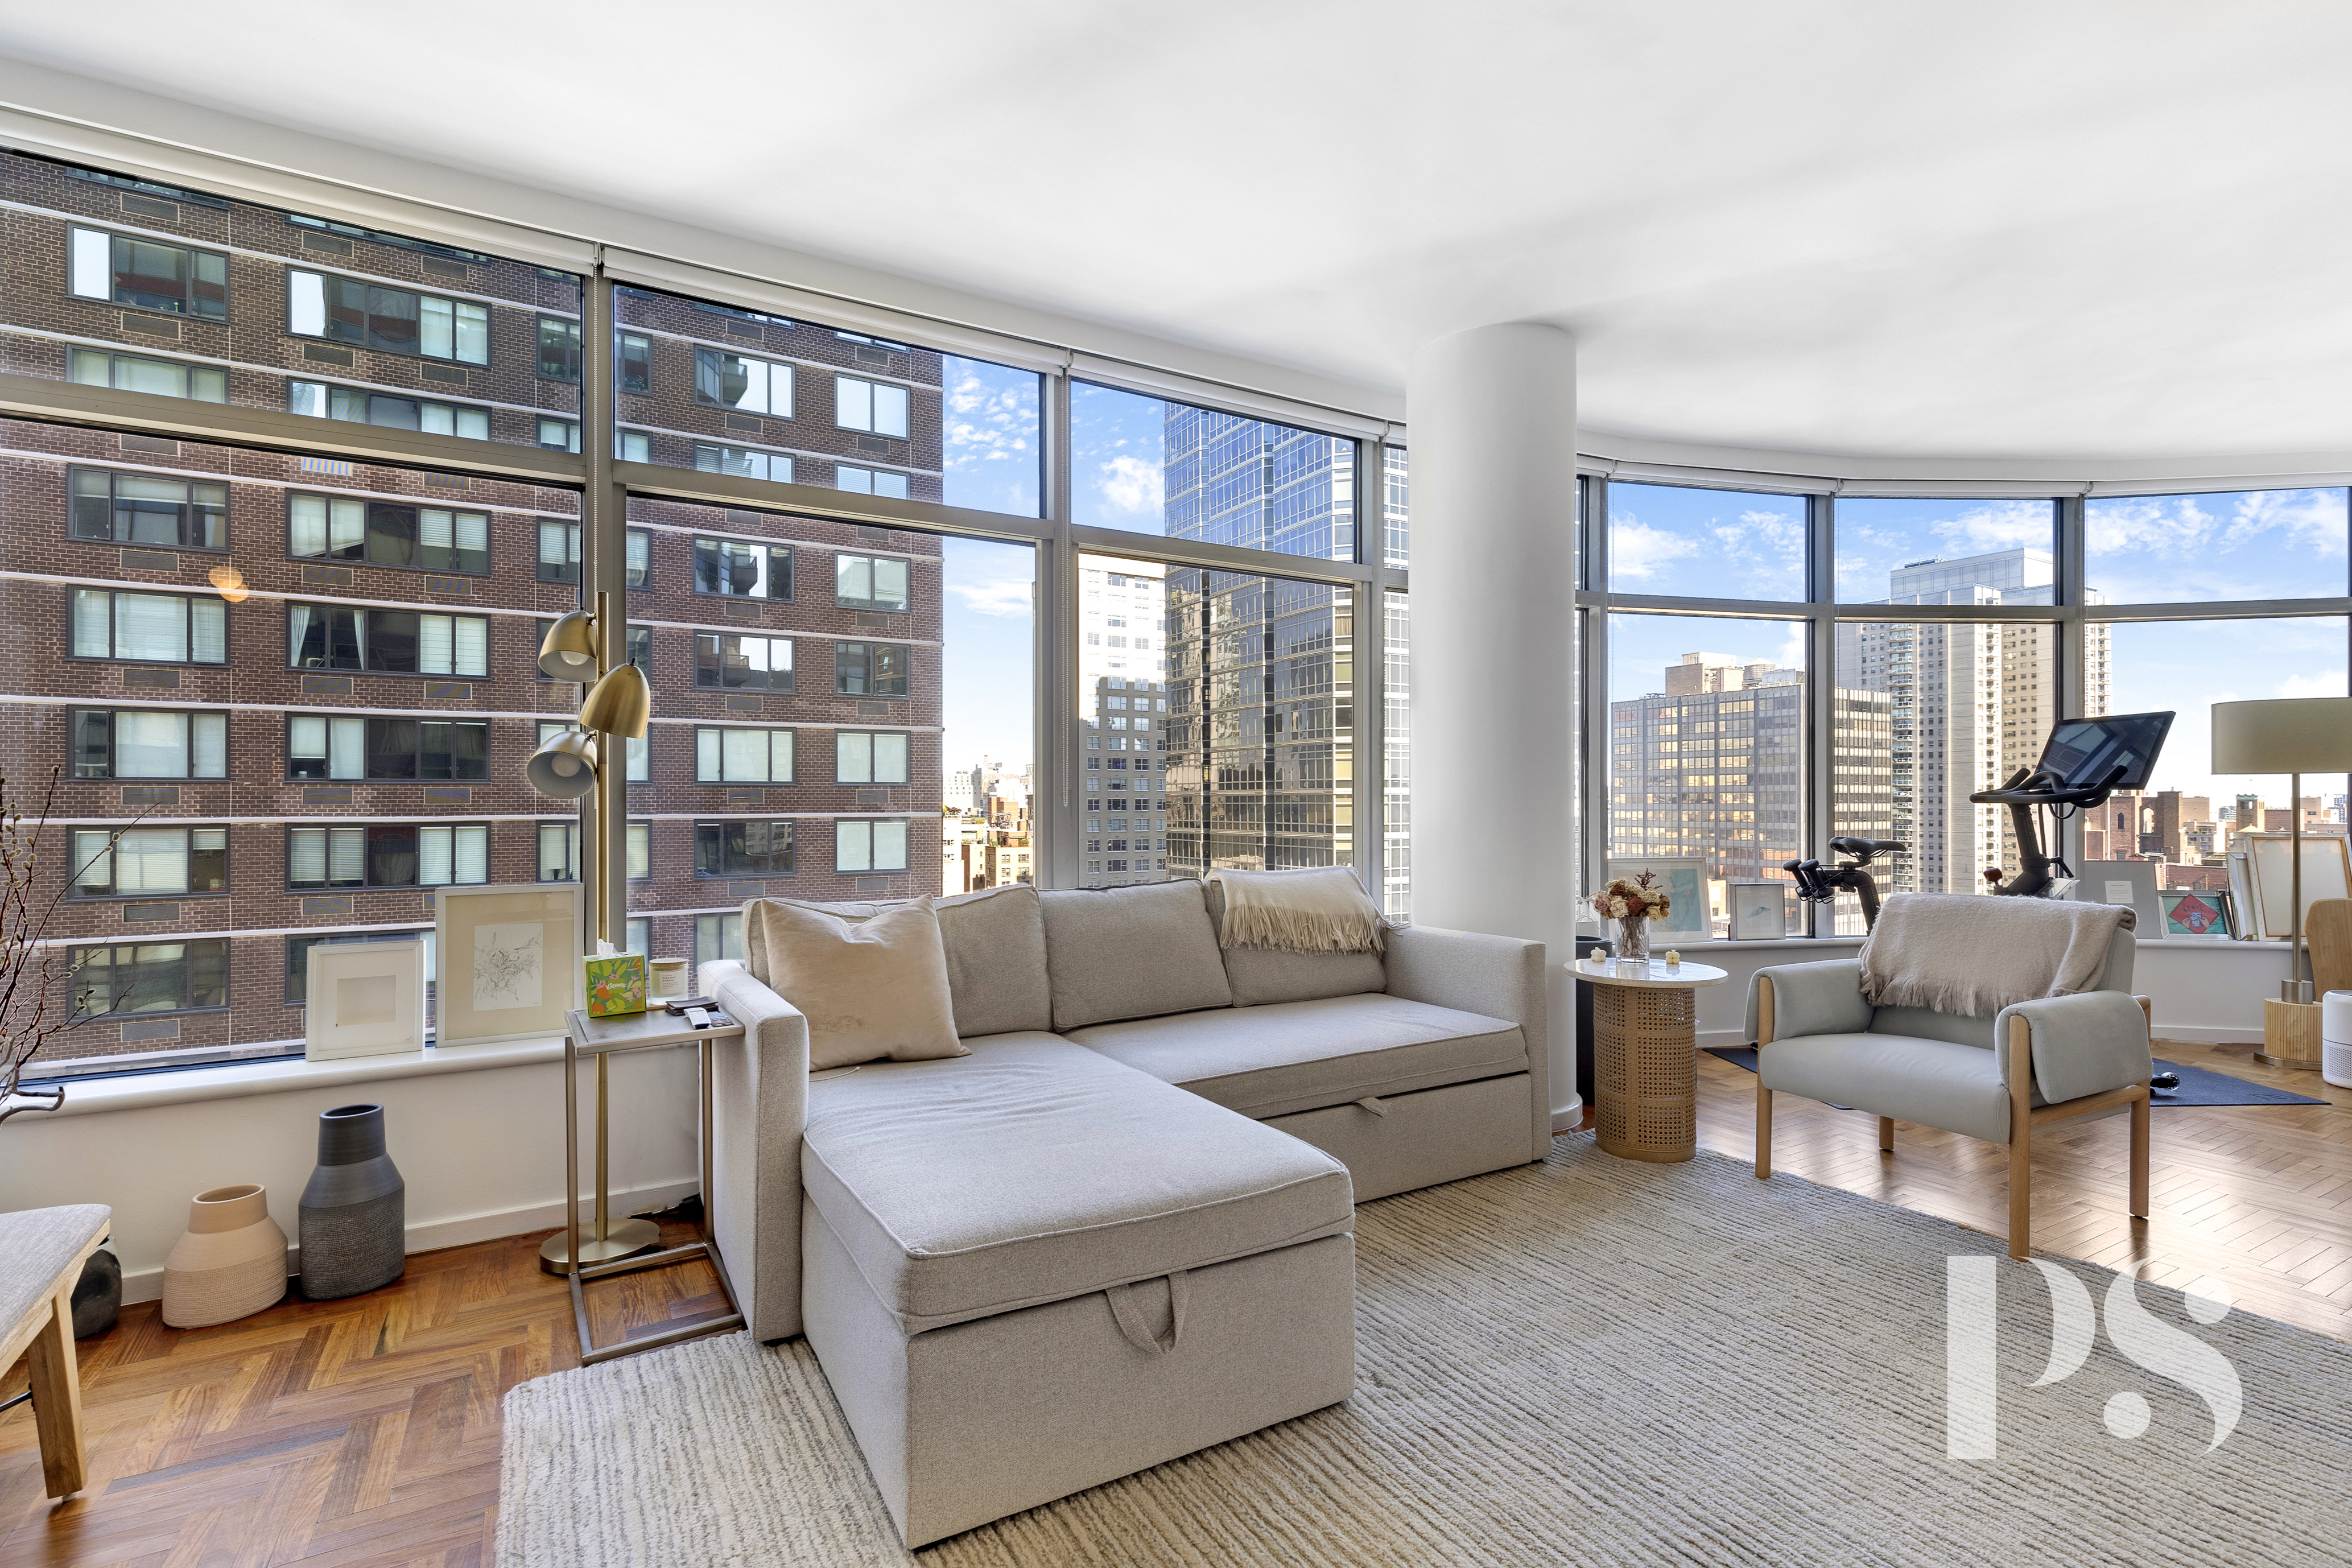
(1709, 544)
(1117, 447)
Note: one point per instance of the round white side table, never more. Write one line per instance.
(1644, 1054)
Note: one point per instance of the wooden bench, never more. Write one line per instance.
(41, 1255)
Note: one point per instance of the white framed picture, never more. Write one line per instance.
(509, 962)
(2131, 883)
(1684, 877)
(364, 999)
(2327, 874)
(1758, 911)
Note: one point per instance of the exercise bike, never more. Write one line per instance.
(2083, 763)
(1822, 884)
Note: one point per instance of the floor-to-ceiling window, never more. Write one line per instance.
(1949, 634)
(317, 493)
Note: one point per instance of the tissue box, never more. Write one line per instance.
(614, 984)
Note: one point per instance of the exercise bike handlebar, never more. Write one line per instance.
(2031, 786)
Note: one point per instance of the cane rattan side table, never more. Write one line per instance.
(1644, 1054)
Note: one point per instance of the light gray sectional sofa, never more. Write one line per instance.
(1120, 1228)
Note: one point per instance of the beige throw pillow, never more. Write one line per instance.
(873, 989)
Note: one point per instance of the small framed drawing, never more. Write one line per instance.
(364, 999)
(510, 968)
(1684, 877)
(1758, 911)
(614, 984)
(2128, 882)
(2192, 912)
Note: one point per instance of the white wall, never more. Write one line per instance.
(482, 1152)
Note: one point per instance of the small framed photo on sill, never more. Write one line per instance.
(364, 999)
(2195, 912)
(1758, 911)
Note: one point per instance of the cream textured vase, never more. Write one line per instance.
(231, 1263)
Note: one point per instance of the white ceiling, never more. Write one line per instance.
(1999, 229)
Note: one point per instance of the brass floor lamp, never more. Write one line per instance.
(579, 648)
(2291, 735)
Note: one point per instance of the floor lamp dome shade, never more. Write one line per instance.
(620, 703)
(565, 767)
(568, 651)
(2283, 735)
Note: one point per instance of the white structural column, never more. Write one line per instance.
(1491, 419)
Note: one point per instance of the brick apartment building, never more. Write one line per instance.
(310, 683)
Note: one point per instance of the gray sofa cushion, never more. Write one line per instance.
(1296, 1056)
(995, 941)
(1131, 952)
(1033, 1169)
(1935, 1083)
(1263, 974)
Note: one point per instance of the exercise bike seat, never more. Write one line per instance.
(1863, 848)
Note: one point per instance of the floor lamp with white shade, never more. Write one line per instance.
(2291, 735)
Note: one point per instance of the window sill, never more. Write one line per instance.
(237, 1081)
(1658, 944)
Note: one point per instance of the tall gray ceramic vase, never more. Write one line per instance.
(355, 1210)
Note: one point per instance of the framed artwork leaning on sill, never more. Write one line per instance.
(2194, 915)
(509, 962)
(1684, 877)
(364, 999)
(1758, 911)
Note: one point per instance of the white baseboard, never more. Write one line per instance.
(2207, 1034)
(431, 1236)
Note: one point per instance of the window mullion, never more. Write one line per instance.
(1055, 818)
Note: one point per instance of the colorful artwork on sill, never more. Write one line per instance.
(614, 984)
(2191, 913)
(1684, 877)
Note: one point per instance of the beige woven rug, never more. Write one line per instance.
(1589, 1361)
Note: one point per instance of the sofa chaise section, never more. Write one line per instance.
(1031, 1270)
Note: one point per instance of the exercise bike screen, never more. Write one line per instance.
(2082, 752)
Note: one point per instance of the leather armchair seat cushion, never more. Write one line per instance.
(1285, 1056)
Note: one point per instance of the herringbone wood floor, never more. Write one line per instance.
(2260, 1196)
(364, 1434)
(359, 1434)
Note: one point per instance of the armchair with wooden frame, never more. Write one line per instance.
(1816, 1036)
